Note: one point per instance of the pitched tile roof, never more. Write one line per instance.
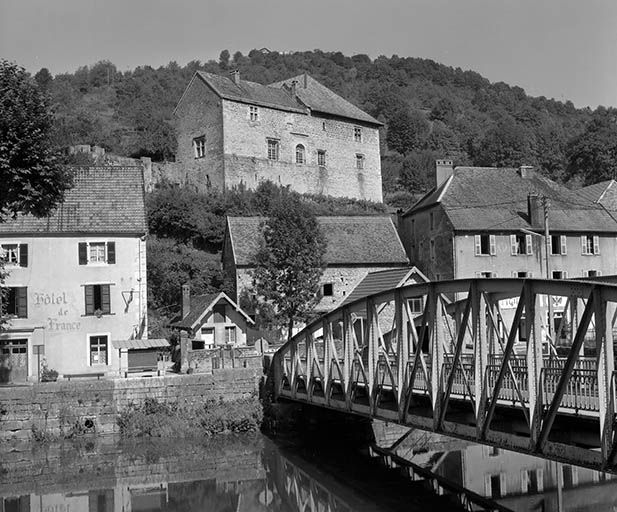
(593, 193)
(102, 200)
(321, 99)
(201, 304)
(251, 92)
(350, 240)
(492, 199)
(376, 282)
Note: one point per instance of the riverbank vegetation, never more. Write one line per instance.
(158, 419)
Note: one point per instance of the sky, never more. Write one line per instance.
(564, 49)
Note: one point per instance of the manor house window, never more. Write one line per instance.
(253, 113)
(357, 134)
(273, 149)
(300, 154)
(359, 162)
(321, 158)
(199, 146)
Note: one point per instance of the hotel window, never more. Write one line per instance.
(592, 273)
(230, 334)
(558, 245)
(485, 245)
(97, 299)
(199, 146)
(416, 305)
(521, 274)
(15, 301)
(560, 274)
(328, 290)
(495, 485)
(532, 480)
(590, 244)
(432, 249)
(321, 158)
(96, 252)
(486, 274)
(360, 162)
(357, 134)
(273, 149)
(14, 254)
(520, 244)
(253, 113)
(300, 154)
(98, 349)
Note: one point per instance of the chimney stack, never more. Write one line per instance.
(235, 76)
(186, 299)
(535, 211)
(443, 170)
(525, 171)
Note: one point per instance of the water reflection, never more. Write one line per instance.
(250, 473)
(521, 482)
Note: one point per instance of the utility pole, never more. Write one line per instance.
(547, 251)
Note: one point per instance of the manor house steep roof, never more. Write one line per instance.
(354, 240)
(106, 199)
(309, 93)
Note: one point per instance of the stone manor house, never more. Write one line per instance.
(296, 132)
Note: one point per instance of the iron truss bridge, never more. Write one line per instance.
(524, 365)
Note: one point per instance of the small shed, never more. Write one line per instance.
(140, 354)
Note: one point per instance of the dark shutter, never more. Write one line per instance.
(89, 291)
(83, 253)
(23, 255)
(111, 252)
(105, 303)
(22, 302)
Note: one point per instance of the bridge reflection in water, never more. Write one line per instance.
(525, 365)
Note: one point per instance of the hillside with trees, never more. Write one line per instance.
(429, 111)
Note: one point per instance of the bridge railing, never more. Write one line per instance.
(486, 343)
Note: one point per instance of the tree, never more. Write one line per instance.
(407, 131)
(224, 59)
(43, 79)
(508, 144)
(33, 180)
(593, 154)
(290, 261)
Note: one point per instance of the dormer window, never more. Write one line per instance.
(357, 134)
(253, 113)
(199, 146)
(300, 154)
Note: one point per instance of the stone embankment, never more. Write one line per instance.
(58, 409)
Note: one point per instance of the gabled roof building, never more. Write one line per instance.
(355, 246)
(296, 132)
(489, 222)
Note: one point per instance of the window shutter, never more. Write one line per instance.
(514, 273)
(524, 481)
(478, 243)
(529, 244)
(583, 244)
(22, 302)
(596, 245)
(111, 252)
(478, 275)
(540, 477)
(83, 253)
(89, 291)
(105, 300)
(488, 491)
(564, 246)
(491, 240)
(598, 272)
(513, 245)
(502, 481)
(23, 255)
(564, 274)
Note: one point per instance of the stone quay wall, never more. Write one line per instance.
(90, 406)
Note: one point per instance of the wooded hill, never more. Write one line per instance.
(430, 111)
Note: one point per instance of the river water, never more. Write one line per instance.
(253, 473)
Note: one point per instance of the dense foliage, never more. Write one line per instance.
(33, 179)
(290, 261)
(186, 237)
(429, 110)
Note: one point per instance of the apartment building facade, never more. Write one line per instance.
(76, 278)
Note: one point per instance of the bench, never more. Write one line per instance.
(98, 375)
(143, 369)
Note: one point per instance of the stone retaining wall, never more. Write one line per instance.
(93, 405)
